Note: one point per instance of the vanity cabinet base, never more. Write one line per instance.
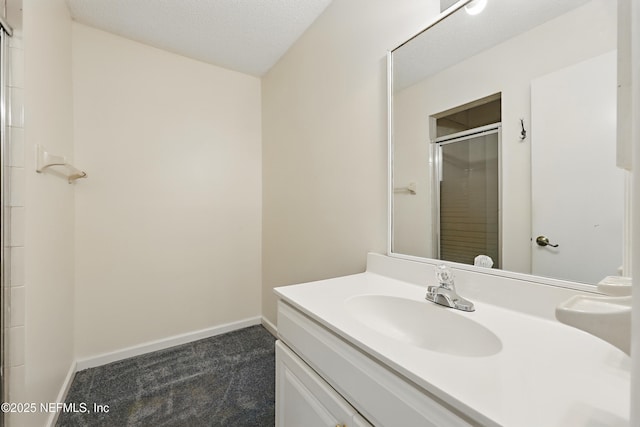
(355, 380)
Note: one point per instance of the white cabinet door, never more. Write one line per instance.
(305, 399)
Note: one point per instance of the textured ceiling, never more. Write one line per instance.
(461, 36)
(242, 35)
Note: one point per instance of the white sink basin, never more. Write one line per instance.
(424, 324)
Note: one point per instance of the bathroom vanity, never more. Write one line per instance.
(368, 349)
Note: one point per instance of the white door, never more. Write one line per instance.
(577, 191)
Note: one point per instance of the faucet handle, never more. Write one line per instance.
(444, 276)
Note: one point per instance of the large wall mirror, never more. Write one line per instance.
(503, 141)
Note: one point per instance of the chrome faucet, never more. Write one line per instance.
(445, 293)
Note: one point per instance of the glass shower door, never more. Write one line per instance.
(468, 199)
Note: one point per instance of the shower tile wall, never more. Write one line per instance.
(14, 363)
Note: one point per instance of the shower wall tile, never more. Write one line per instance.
(16, 349)
(18, 183)
(17, 266)
(17, 306)
(17, 226)
(16, 385)
(7, 312)
(16, 74)
(16, 393)
(16, 107)
(14, 291)
(16, 136)
(8, 159)
(6, 211)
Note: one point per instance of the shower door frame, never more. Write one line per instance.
(5, 215)
(436, 155)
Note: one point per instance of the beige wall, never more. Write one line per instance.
(168, 230)
(325, 142)
(49, 206)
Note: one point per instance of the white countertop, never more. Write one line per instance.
(546, 375)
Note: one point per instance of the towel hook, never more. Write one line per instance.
(523, 132)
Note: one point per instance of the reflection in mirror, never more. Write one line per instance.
(504, 130)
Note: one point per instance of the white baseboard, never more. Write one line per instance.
(62, 395)
(138, 350)
(269, 326)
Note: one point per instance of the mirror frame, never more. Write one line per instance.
(584, 287)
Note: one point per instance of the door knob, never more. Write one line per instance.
(544, 241)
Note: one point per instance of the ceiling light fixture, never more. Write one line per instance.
(475, 7)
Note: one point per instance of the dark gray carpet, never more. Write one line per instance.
(227, 380)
